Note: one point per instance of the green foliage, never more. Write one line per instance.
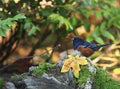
(109, 15)
(104, 81)
(42, 68)
(62, 15)
(56, 18)
(99, 31)
(1, 83)
(84, 74)
(99, 40)
(101, 80)
(16, 78)
(30, 27)
(7, 23)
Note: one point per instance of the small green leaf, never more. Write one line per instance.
(108, 35)
(68, 7)
(117, 25)
(106, 14)
(2, 33)
(87, 14)
(99, 40)
(89, 38)
(114, 20)
(98, 14)
(73, 21)
(102, 27)
(54, 17)
(68, 25)
(10, 23)
(19, 16)
(3, 1)
(60, 20)
(27, 25)
(96, 32)
(32, 31)
(5, 27)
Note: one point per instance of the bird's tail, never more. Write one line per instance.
(104, 45)
(99, 46)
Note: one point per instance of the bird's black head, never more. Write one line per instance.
(77, 42)
(77, 39)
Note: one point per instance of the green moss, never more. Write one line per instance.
(84, 74)
(16, 78)
(104, 81)
(42, 68)
(1, 83)
(101, 80)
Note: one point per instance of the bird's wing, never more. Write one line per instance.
(89, 45)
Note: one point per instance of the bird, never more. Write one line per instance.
(86, 48)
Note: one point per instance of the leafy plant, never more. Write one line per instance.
(70, 14)
(8, 23)
(41, 18)
(56, 18)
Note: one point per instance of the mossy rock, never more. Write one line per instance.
(42, 68)
(84, 74)
(104, 81)
(101, 80)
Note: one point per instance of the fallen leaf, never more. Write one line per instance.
(74, 62)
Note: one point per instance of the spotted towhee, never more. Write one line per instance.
(85, 48)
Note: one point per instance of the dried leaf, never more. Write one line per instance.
(74, 62)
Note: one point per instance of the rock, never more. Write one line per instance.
(20, 84)
(9, 85)
(46, 82)
(51, 79)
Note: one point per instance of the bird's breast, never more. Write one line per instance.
(85, 51)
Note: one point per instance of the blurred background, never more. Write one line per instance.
(30, 30)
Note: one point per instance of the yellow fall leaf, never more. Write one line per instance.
(74, 62)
